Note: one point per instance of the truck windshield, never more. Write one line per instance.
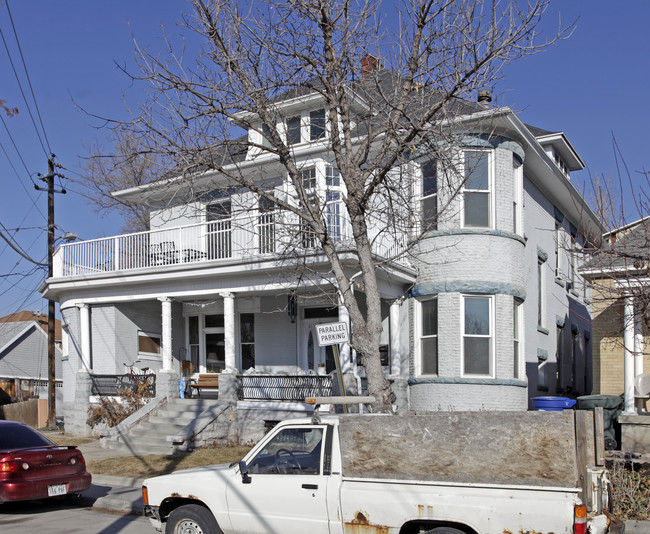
(293, 450)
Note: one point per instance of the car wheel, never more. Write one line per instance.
(445, 530)
(192, 519)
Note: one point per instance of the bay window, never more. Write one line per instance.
(476, 189)
(429, 197)
(429, 336)
(477, 336)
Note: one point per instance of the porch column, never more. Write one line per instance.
(84, 324)
(629, 353)
(395, 356)
(346, 360)
(166, 333)
(229, 331)
(638, 345)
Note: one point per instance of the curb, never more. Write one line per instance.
(118, 494)
(110, 480)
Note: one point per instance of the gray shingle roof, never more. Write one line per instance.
(627, 248)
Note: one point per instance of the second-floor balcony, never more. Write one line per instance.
(245, 238)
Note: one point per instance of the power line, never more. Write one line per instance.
(22, 92)
(29, 81)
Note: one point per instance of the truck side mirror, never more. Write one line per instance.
(243, 470)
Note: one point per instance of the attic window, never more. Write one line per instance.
(560, 163)
(317, 125)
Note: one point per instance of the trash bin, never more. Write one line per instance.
(612, 406)
(552, 404)
(181, 387)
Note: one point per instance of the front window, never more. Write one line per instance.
(429, 336)
(476, 196)
(517, 323)
(540, 293)
(294, 451)
(429, 202)
(148, 344)
(317, 125)
(477, 336)
(247, 339)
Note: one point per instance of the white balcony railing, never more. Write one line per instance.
(265, 235)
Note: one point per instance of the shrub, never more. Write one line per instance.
(112, 411)
(631, 488)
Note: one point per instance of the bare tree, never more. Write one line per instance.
(128, 165)
(210, 112)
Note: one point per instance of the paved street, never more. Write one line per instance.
(36, 517)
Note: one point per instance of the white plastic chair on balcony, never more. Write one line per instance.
(641, 389)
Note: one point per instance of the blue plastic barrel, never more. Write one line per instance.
(181, 386)
(553, 404)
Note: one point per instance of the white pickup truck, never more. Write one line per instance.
(439, 473)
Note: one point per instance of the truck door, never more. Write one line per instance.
(285, 489)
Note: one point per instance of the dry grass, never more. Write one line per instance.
(158, 464)
(67, 440)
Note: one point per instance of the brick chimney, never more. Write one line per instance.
(369, 64)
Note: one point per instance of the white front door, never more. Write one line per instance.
(286, 488)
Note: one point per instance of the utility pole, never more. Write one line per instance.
(51, 349)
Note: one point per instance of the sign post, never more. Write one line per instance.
(334, 334)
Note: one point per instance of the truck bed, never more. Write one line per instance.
(520, 448)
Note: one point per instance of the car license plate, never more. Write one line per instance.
(57, 489)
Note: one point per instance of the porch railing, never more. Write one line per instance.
(283, 388)
(111, 385)
(241, 237)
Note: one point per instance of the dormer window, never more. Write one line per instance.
(317, 125)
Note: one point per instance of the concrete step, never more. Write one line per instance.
(157, 428)
(144, 445)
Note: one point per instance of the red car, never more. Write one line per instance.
(34, 467)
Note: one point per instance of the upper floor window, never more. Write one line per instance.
(429, 198)
(293, 131)
(477, 336)
(517, 171)
(308, 178)
(476, 186)
(558, 249)
(317, 125)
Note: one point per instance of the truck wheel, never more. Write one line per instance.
(191, 519)
(445, 530)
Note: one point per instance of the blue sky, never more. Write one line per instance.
(592, 86)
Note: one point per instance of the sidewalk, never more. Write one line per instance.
(120, 494)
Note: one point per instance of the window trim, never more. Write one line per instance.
(491, 336)
(489, 192)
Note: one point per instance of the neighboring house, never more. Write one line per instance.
(618, 273)
(23, 355)
(487, 311)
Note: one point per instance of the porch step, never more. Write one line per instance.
(150, 435)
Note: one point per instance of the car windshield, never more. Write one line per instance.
(21, 437)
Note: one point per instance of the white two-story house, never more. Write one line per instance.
(483, 310)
